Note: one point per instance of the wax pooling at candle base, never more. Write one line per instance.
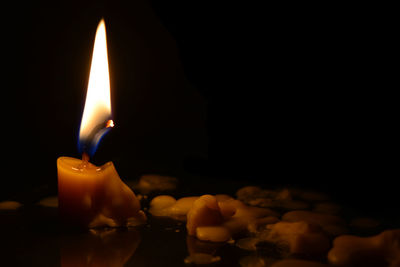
(93, 196)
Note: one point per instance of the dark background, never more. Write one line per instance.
(281, 95)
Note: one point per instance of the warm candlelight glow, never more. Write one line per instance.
(97, 111)
(89, 195)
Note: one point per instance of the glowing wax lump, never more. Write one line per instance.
(379, 250)
(231, 216)
(331, 224)
(285, 199)
(168, 206)
(50, 202)
(293, 237)
(299, 237)
(153, 182)
(10, 205)
(210, 218)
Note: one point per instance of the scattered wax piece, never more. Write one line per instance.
(51, 202)
(153, 182)
(248, 243)
(201, 258)
(280, 199)
(378, 250)
(262, 202)
(298, 263)
(248, 191)
(327, 207)
(251, 213)
(331, 224)
(300, 237)
(259, 224)
(10, 205)
(244, 215)
(223, 197)
(213, 233)
(159, 206)
(284, 194)
(225, 217)
(165, 205)
(182, 206)
(204, 212)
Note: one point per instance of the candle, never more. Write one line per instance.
(91, 195)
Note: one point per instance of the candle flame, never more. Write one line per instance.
(97, 112)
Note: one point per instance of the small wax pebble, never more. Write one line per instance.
(248, 243)
(204, 212)
(260, 224)
(300, 237)
(378, 250)
(213, 233)
(10, 205)
(331, 224)
(153, 182)
(51, 202)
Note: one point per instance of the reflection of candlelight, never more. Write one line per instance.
(99, 248)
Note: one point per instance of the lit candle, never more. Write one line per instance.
(89, 195)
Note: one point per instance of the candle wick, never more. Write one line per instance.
(85, 161)
(85, 157)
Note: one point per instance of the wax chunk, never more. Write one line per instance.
(204, 212)
(378, 250)
(51, 202)
(10, 205)
(159, 206)
(331, 224)
(260, 224)
(182, 206)
(213, 233)
(153, 182)
(300, 237)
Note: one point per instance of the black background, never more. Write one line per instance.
(285, 95)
